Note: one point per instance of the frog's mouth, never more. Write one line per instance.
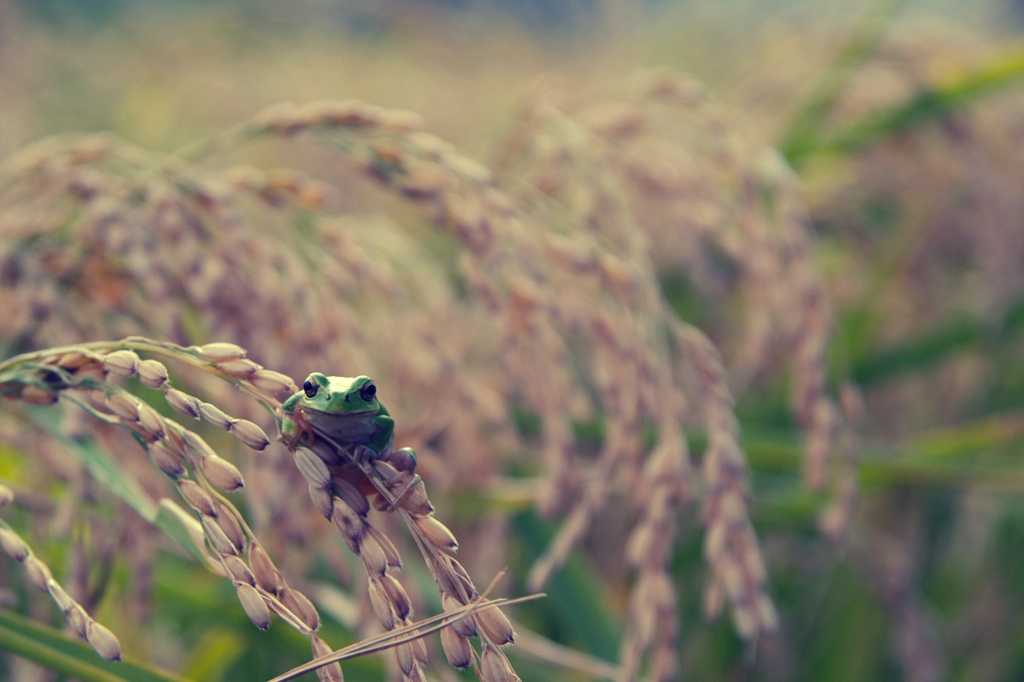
(343, 416)
(346, 428)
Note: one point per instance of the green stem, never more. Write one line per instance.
(50, 648)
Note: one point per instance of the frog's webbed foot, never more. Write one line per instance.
(403, 460)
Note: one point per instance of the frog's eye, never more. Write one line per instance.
(310, 387)
(367, 392)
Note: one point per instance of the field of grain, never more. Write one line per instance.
(699, 325)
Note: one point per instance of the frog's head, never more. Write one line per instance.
(339, 395)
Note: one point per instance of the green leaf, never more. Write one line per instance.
(805, 128)
(574, 602)
(931, 347)
(52, 649)
(929, 104)
(165, 514)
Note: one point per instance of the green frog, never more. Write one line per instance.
(346, 412)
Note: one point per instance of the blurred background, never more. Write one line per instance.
(903, 125)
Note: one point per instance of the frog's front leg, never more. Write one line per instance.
(383, 442)
(367, 458)
(291, 431)
(408, 457)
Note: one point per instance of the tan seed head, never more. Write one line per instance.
(495, 626)
(419, 649)
(103, 641)
(214, 415)
(403, 654)
(78, 619)
(494, 667)
(312, 468)
(254, 605)
(92, 370)
(328, 673)
(390, 551)
(229, 524)
(38, 573)
(397, 596)
(436, 533)
(351, 495)
(463, 626)
(273, 382)
(124, 407)
(6, 495)
(322, 500)
(63, 600)
(349, 524)
(121, 362)
(165, 458)
(381, 604)
(198, 445)
(263, 569)
(151, 421)
(240, 368)
(182, 403)
(175, 441)
(218, 352)
(239, 572)
(373, 556)
(451, 582)
(320, 647)
(217, 537)
(152, 373)
(222, 473)
(299, 604)
(457, 648)
(13, 544)
(415, 501)
(251, 435)
(74, 360)
(197, 497)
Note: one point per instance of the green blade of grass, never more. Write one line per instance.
(805, 129)
(572, 604)
(932, 103)
(50, 648)
(929, 348)
(949, 466)
(165, 514)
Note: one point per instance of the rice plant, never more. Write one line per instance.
(651, 368)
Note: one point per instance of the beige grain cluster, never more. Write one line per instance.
(341, 502)
(557, 313)
(730, 545)
(185, 253)
(96, 634)
(542, 284)
(581, 164)
(398, 488)
(701, 187)
(83, 374)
